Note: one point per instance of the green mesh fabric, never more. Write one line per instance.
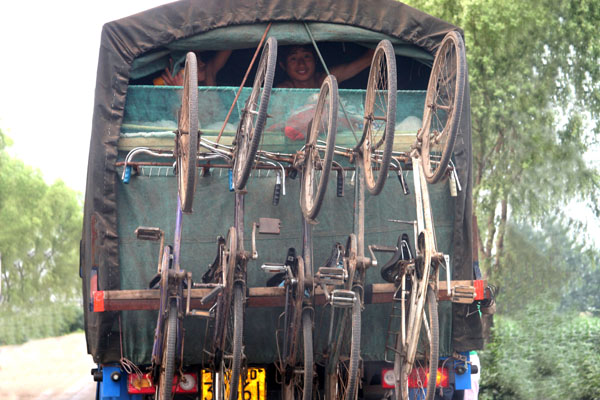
(150, 200)
(153, 110)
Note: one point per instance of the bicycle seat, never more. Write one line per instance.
(154, 281)
(336, 256)
(209, 276)
(389, 272)
(290, 260)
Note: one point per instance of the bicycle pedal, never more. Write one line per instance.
(274, 268)
(200, 314)
(197, 285)
(212, 294)
(332, 276)
(342, 298)
(463, 294)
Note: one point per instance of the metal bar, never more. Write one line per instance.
(148, 299)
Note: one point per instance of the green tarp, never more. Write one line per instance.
(124, 46)
(150, 200)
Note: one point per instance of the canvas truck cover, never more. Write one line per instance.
(128, 46)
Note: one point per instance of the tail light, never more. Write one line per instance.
(143, 384)
(417, 378)
(388, 379)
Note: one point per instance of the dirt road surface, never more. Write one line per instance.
(44, 369)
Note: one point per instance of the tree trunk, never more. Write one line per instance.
(501, 233)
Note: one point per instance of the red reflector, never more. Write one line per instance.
(387, 379)
(419, 376)
(143, 384)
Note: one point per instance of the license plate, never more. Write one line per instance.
(253, 389)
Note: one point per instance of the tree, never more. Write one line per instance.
(40, 226)
(534, 70)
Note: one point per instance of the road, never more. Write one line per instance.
(44, 369)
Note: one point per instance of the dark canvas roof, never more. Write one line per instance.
(126, 39)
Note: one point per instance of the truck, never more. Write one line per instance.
(291, 226)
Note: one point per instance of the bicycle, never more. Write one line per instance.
(228, 273)
(315, 161)
(343, 275)
(171, 279)
(416, 346)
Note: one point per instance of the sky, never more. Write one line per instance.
(49, 57)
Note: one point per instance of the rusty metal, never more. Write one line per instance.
(269, 226)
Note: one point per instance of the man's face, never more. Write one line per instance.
(300, 64)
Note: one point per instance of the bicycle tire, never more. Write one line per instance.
(254, 115)
(426, 366)
(238, 332)
(293, 320)
(307, 337)
(327, 105)
(382, 79)
(443, 106)
(187, 135)
(344, 385)
(354, 350)
(167, 369)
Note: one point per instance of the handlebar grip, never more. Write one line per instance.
(403, 183)
(230, 174)
(276, 194)
(340, 183)
(453, 188)
(127, 175)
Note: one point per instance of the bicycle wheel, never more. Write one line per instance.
(167, 367)
(231, 360)
(296, 385)
(443, 106)
(307, 337)
(186, 146)
(380, 117)
(254, 115)
(343, 383)
(420, 379)
(317, 159)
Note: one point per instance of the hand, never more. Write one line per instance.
(171, 80)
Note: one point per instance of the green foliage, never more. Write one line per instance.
(546, 261)
(534, 70)
(42, 321)
(39, 236)
(540, 353)
(40, 227)
(582, 291)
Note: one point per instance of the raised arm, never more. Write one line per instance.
(351, 69)
(214, 65)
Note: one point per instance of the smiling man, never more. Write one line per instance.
(300, 65)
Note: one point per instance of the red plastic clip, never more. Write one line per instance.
(479, 289)
(99, 301)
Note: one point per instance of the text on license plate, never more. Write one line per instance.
(254, 387)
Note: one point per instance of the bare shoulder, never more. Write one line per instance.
(287, 84)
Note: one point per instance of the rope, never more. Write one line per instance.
(127, 365)
(312, 39)
(262, 40)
